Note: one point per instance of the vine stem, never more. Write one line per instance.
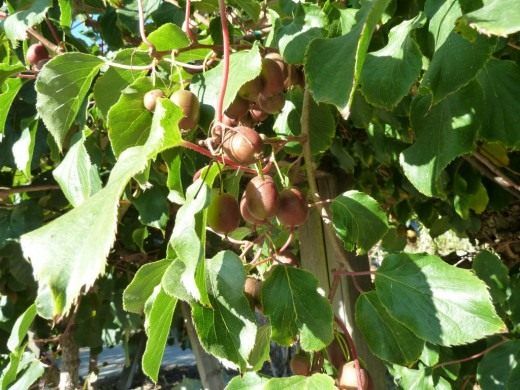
(130, 67)
(31, 188)
(186, 26)
(53, 31)
(472, 357)
(44, 41)
(352, 350)
(506, 180)
(142, 31)
(311, 180)
(225, 38)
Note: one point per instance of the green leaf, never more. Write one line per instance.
(21, 327)
(358, 220)
(244, 66)
(65, 13)
(496, 17)
(23, 148)
(128, 120)
(181, 279)
(295, 308)
(408, 378)
(322, 124)
(250, 7)
(153, 207)
(30, 13)
(227, 329)
(294, 38)
(500, 367)
(492, 270)
(387, 338)
(389, 72)
(333, 66)
(298, 382)
(443, 132)
(108, 87)
(143, 284)
(7, 70)
(249, 381)
(499, 80)
(443, 21)
(9, 90)
(61, 87)
(29, 375)
(445, 305)
(77, 177)
(70, 252)
(446, 76)
(260, 353)
(158, 312)
(168, 37)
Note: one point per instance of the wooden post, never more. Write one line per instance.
(318, 255)
(210, 370)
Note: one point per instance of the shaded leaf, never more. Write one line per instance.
(358, 220)
(61, 86)
(493, 271)
(341, 59)
(445, 305)
(386, 337)
(500, 367)
(295, 308)
(21, 327)
(9, 90)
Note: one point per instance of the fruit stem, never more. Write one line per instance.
(225, 73)
(44, 41)
(311, 180)
(352, 350)
(288, 242)
(259, 169)
(283, 178)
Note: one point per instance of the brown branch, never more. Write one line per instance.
(472, 357)
(48, 44)
(5, 191)
(505, 179)
(484, 170)
(53, 31)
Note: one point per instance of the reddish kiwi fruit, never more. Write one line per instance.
(272, 77)
(262, 197)
(257, 114)
(150, 98)
(335, 354)
(276, 57)
(238, 108)
(287, 258)
(190, 106)
(251, 89)
(300, 364)
(36, 52)
(252, 290)
(347, 378)
(243, 145)
(271, 104)
(292, 207)
(39, 65)
(223, 213)
(244, 211)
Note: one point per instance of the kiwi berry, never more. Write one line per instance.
(300, 364)
(244, 211)
(347, 378)
(276, 57)
(271, 104)
(243, 145)
(150, 98)
(223, 213)
(272, 76)
(252, 290)
(190, 106)
(36, 52)
(292, 207)
(262, 197)
(257, 114)
(287, 258)
(238, 108)
(251, 89)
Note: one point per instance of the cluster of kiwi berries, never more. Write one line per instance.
(37, 55)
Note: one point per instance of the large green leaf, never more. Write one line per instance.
(444, 75)
(168, 37)
(295, 308)
(244, 66)
(333, 66)
(61, 88)
(250, 7)
(443, 132)
(358, 220)
(142, 285)
(386, 337)
(249, 381)
(442, 21)
(181, 279)
(496, 17)
(298, 382)
(227, 329)
(69, 253)
(322, 124)
(499, 369)
(8, 90)
(29, 13)
(77, 177)
(445, 305)
(128, 120)
(493, 271)
(499, 80)
(108, 87)
(389, 72)
(158, 312)
(20, 328)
